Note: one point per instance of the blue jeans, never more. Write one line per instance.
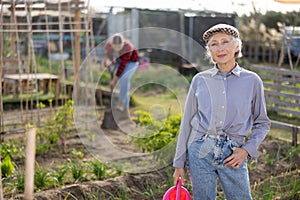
(124, 82)
(205, 162)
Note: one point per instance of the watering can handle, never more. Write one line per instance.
(178, 188)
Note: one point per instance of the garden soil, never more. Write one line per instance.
(137, 184)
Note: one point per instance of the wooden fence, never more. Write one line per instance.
(282, 92)
(266, 52)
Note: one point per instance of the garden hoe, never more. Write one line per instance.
(109, 120)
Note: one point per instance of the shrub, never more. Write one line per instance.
(7, 166)
(157, 134)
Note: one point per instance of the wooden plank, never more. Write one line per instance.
(281, 71)
(283, 103)
(283, 110)
(295, 130)
(282, 125)
(282, 87)
(281, 94)
(30, 76)
(287, 80)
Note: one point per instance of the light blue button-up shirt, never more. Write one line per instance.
(224, 103)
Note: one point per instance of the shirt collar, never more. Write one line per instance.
(236, 71)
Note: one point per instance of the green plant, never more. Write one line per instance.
(122, 193)
(282, 186)
(20, 182)
(8, 148)
(59, 174)
(98, 169)
(293, 152)
(76, 153)
(41, 105)
(41, 147)
(143, 118)
(157, 135)
(42, 177)
(57, 127)
(150, 190)
(7, 151)
(77, 170)
(7, 166)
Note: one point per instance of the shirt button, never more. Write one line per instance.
(221, 122)
(225, 79)
(223, 92)
(222, 106)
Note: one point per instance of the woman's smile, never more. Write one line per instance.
(221, 55)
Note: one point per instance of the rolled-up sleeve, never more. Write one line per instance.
(185, 127)
(261, 122)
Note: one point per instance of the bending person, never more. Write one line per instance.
(121, 54)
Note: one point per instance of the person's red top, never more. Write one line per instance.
(127, 54)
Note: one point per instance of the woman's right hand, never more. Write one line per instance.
(179, 172)
(107, 62)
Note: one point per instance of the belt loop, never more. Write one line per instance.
(205, 136)
(227, 138)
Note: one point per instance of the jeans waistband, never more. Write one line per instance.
(220, 136)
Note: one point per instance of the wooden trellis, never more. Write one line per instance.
(16, 19)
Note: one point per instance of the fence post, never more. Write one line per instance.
(270, 53)
(1, 191)
(251, 50)
(256, 52)
(295, 136)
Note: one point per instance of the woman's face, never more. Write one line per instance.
(222, 48)
(117, 47)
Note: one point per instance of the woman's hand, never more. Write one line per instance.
(107, 62)
(236, 158)
(113, 82)
(179, 172)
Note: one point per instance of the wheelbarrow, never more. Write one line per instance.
(109, 121)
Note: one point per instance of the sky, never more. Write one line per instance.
(225, 6)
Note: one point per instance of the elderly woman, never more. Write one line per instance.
(224, 121)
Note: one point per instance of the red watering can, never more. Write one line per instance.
(177, 192)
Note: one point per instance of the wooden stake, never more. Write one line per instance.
(77, 19)
(29, 164)
(1, 191)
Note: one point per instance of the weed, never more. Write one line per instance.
(59, 174)
(98, 169)
(77, 170)
(42, 177)
(76, 153)
(20, 182)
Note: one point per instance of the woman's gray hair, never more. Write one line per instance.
(237, 54)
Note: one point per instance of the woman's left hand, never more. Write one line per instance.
(236, 158)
